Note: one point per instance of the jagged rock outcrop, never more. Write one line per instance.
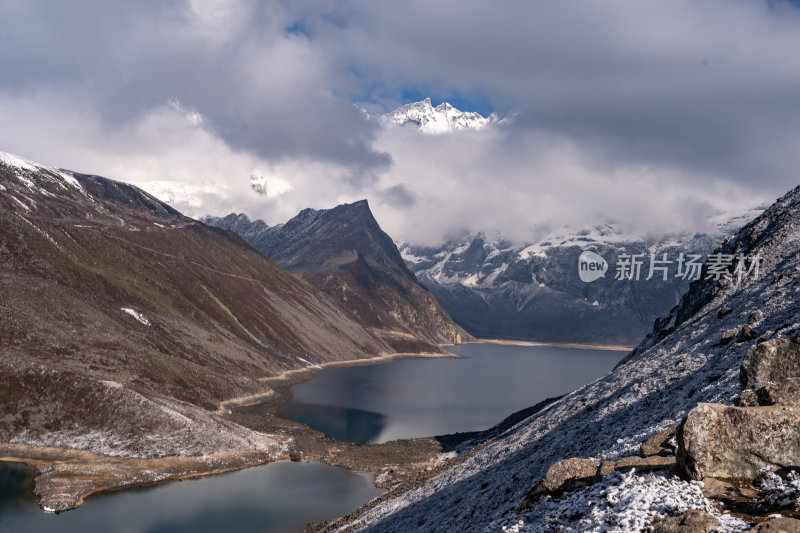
(344, 252)
(576, 472)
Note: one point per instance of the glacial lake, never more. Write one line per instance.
(275, 498)
(402, 399)
(427, 397)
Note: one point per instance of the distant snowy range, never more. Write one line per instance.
(531, 291)
(443, 118)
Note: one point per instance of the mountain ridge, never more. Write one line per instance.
(152, 317)
(344, 251)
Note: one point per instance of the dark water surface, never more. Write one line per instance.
(402, 399)
(427, 397)
(277, 498)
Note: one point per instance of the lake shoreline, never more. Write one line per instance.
(392, 463)
(67, 477)
(602, 347)
(288, 378)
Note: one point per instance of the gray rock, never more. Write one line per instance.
(770, 362)
(723, 311)
(737, 442)
(694, 521)
(659, 444)
(746, 333)
(728, 336)
(748, 398)
(784, 393)
(568, 474)
(654, 463)
(755, 316)
(778, 525)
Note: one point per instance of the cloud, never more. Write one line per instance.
(652, 112)
(484, 181)
(397, 196)
(260, 90)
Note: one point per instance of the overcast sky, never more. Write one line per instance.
(655, 113)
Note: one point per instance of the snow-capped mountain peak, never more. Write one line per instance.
(443, 118)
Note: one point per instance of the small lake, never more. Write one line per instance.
(427, 397)
(402, 399)
(275, 498)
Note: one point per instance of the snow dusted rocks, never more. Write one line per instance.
(771, 362)
(762, 432)
(576, 473)
(662, 443)
(620, 503)
(639, 464)
(738, 442)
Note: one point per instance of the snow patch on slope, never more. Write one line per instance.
(137, 315)
(619, 504)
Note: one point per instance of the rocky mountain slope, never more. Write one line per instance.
(693, 355)
(344, 252)
(124, 324)
(496, 289)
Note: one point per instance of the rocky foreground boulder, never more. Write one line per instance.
(762, 432)
(778, 525)
(692, 522)
(738, 442)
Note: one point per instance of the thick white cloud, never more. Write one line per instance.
(651, 112)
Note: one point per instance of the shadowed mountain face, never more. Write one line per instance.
(344, 252)
(123, 324)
